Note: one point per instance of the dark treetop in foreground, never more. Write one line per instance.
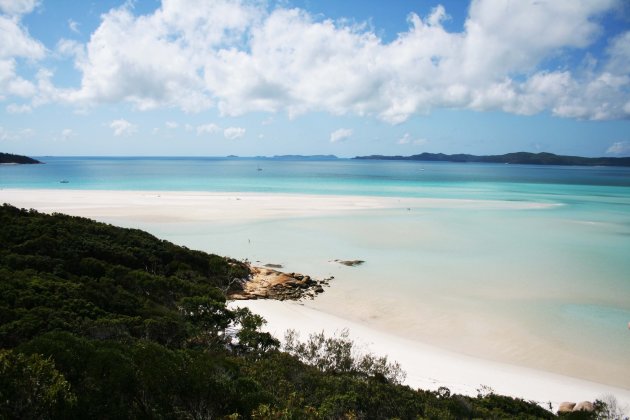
(9, 158)
(100, 322)
(522, 158)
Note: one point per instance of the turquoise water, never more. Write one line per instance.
(544, 287)
(343, 176)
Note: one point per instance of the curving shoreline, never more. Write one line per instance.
(430, 367)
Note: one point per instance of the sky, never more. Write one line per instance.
(352, 77)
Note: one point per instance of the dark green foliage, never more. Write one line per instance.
(31, 387)
(99, 322)
(338, 355)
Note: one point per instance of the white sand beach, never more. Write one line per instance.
(427, 366)
(430, 367)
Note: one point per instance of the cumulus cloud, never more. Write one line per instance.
(16, 44)
(619, 148)
(340, 135)
(18, 7)
(157, 59)
(299, 64)
(208, 129)
(233, 133)
(122, 127)
(171, 124)
(242, 56)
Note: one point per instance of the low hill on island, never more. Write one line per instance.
(519, 158)
(101, 322)
(9, 158)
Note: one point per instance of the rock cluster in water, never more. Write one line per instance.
(266, 283)
(350, 263)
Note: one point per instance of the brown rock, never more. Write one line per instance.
(584, 406)
(267, 283)
(566, 407)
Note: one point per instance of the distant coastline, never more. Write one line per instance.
(519, 158)
(516, 158)
(8, 158)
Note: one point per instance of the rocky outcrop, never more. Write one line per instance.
(569, 407)
(266, 283)
(566, 407)
(584, 406)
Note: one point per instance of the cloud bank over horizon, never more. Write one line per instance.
(242, 57)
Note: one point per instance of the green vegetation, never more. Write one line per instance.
(101, 322)
(520, 158)
(9, 158)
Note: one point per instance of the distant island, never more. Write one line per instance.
(519, 158)
(8, 158)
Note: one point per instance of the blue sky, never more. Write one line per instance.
(183, 77)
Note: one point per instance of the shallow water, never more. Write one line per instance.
(547, 286)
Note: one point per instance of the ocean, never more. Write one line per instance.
(519, 263)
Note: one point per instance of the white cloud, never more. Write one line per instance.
(243, 56)
(157, 59)
(122, 127)
(233, 133)
(71, 48)
(18, 7)
(74, 26)
(207, 129)
(13, 85)
(171, 124)
(16, 41)
(619, 148)
(16, 44)
(340, 135)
